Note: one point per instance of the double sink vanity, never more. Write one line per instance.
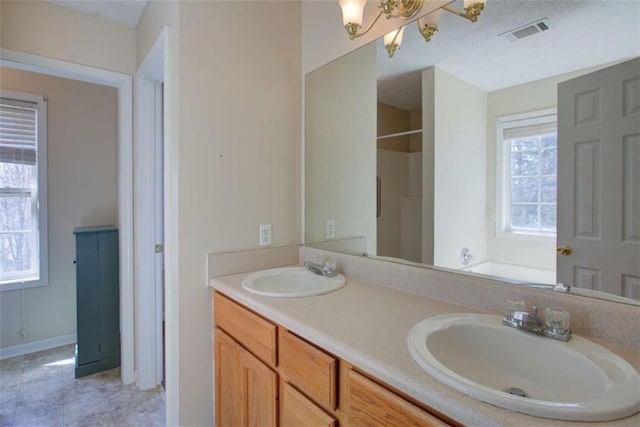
(296, 346)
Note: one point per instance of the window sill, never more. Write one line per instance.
(508, 235)
(14, 286)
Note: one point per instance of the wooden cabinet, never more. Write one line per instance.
(246, 389)
(267, 376)
(97, 299)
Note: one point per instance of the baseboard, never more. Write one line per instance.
(35, 346)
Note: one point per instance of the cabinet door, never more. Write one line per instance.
(87, 299)
(246, 389)
(259, 392)
(108, 294)
(227, 371)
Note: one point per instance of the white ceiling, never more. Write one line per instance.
(126, 12)
(583, 33)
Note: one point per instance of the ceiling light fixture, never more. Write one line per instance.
(353, 11)
(472, 9)
(428, 25)
(393, 40)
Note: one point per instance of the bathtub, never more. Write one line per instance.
(514, 272)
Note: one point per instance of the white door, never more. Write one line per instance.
(599, 180)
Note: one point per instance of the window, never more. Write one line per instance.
(527, 184)
(23, 190)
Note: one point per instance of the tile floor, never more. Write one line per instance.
(39, 389)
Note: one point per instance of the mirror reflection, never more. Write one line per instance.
(507, 147)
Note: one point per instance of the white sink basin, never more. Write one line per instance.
(577, 380)
(290, 282)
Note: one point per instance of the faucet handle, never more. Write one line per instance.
(329, 268)
(512, 307)
(557, 321)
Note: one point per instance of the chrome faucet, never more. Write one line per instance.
(320, 268)
(555, 326)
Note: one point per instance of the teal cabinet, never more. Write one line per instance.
(97, 299)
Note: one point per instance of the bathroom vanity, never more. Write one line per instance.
(339, 359)
(265, 373)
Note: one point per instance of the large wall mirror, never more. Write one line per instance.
(509, 147)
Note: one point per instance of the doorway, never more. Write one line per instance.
(124, 84)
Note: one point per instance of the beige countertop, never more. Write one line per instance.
(367, 325)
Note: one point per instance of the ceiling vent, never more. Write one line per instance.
(527, 30)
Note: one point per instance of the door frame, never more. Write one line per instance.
(148, 286)
(124, 85)
(159, 229)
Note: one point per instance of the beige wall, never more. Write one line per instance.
(460, 171)
(238, 159)
(42, 28)
(82, 190)
(340, 148)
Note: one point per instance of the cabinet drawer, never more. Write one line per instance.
(252, 331)
(371, 404)
(296, 410)
(308, 368)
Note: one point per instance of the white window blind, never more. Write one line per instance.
(18, 132)
(529, 130)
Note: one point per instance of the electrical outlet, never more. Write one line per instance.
(330, 229)
(265, 234)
